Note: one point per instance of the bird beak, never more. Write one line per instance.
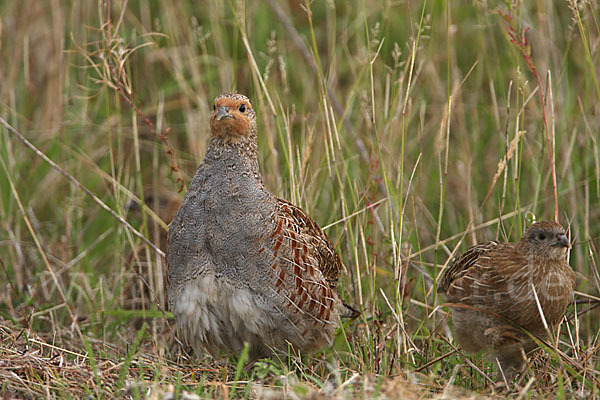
(223, 112)
(562, 240)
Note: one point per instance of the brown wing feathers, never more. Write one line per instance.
(305, 267)
(464, 264)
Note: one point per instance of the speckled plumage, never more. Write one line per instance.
(244, 265)
(490, 288)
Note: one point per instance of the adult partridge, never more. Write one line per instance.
(245, 265)
(491, 291)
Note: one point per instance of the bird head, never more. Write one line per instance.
(232, 118)
(546, 240)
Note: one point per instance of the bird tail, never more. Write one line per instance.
(349, 311)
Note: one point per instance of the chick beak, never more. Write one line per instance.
(223, 112)
(562, 240)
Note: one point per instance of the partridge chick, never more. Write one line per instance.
(146, 286)
(491, 288)
(164, 203)
(244, 265)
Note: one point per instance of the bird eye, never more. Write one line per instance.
(542, 236)
(214, 107)
(242, 108)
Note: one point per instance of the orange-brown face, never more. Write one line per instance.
(232, 117)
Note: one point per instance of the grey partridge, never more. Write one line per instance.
(490, 289)
(244, 265)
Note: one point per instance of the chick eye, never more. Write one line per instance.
(214, 107)
(242, 108)
(541, 236)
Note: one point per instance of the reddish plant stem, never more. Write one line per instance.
(520, 40)
(129, 98)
